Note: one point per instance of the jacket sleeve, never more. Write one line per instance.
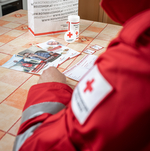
(43, 101)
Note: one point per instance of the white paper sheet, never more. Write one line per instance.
(77, 71)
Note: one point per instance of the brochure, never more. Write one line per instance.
(36, 59)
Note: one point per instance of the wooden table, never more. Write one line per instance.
(14, 85)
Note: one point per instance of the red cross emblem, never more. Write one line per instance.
(70, 34)
(89, 86)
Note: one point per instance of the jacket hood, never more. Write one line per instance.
(120, 11)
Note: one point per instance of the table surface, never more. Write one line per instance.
(14, 85)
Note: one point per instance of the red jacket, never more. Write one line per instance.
(109, 109)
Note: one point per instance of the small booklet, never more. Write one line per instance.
(38, 58)
(77, 71)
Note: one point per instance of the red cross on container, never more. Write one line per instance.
(89, 86)
(70, 34)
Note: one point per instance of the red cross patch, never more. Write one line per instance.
(90, 91)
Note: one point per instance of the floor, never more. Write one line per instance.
(14, 85)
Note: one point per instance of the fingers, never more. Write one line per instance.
(52, 74)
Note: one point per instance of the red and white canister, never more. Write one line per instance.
(73, 24)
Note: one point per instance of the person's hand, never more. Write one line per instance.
(52, 74)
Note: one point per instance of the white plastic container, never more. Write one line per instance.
(73, 24)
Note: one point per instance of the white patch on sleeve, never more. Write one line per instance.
(90, 91)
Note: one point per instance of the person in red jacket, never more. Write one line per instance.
(109, 109)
